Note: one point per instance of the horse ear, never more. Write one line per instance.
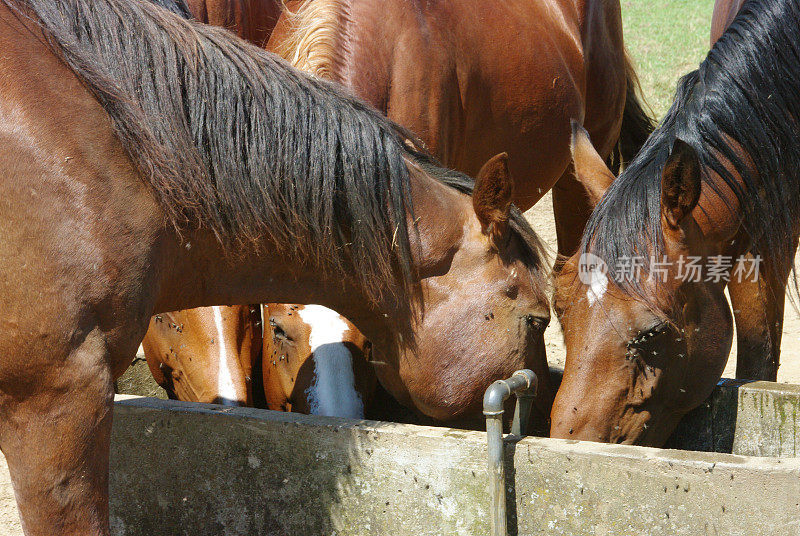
(491, 198)
(680, 183)
(590, 170)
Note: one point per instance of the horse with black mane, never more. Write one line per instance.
(718, 183)
(152, 164)
(496, 77)
(209, 354)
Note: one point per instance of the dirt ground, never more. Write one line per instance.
(541, 218)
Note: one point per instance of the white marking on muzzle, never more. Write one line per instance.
(226, 390)
(333, 389)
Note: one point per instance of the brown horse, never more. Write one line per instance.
(474, 78)
(184, 168)
(711, 198)
(206, 354)
(496, 78)
(315, 361)
(209, 354)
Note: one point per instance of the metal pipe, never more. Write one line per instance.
(523, 383)
(522, 411)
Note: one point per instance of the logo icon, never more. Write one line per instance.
(591, 269)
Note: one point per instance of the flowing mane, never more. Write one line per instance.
(232, 139)
(745, 90)
(178, 7)
(315, 43)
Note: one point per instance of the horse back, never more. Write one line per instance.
(475, 78)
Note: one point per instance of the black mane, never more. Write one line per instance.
(748, 90)
(178, 7)
(234, 140)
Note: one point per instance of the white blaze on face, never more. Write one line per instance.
(333, 390)
(597, 287)
(226, 389)
(593, 273)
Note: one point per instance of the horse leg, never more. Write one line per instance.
(56, 396)
(758, 307)
(56, 440)
(572, 204)
(571, 210)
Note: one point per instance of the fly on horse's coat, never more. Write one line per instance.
(485, 91)
(485, 88)
(315, 361)
(208, 354)
(720, 178)
(183, 168)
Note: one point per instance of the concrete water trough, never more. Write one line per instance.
(182, 468)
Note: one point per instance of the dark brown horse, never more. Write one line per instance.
(152, 164)
(474, 78)
(252, 20)
(711, 198)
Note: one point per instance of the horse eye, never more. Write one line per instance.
(646, 336)
(277, 331)
(537, 322)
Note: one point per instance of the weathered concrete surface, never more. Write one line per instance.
(767, 421)
(586, 489)
(708, 428)
(213, 470)
(180, 468)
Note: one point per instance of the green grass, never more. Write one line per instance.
(667, 39)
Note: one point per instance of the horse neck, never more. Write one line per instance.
(718, 213)
(198, 271)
